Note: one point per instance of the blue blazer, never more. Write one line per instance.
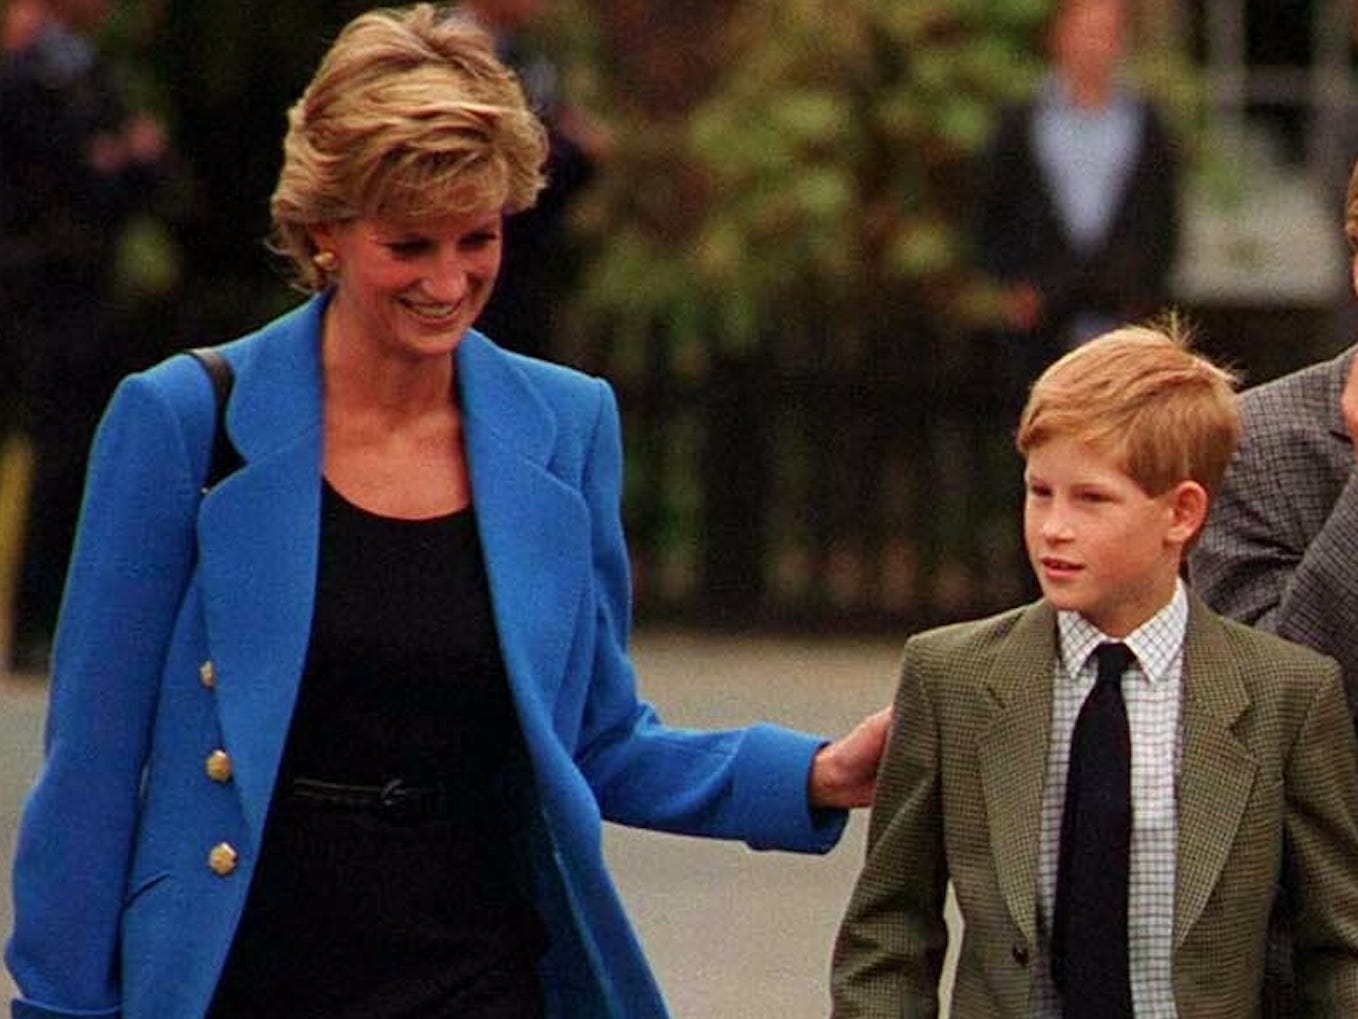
(184, 631)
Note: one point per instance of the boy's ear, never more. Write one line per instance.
(1188, 504)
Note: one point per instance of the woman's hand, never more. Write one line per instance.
(844, 773)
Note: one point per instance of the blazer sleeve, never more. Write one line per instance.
(1322, 845)
(888, 955)
(129, 567)
(1256, 562)
(748, 783)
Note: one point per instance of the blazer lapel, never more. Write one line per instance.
(535, 531)
(1013, 758)
(258, 535)
(1217, 769)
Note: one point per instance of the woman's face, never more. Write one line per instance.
(412, 289)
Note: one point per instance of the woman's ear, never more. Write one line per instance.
(322, 236)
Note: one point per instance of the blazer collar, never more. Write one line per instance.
(1336, 375)
(1218, 770)
(1013, 757)
(535, 527)
(276, 400)
(259, 536)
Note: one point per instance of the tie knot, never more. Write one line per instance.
(1113, 659)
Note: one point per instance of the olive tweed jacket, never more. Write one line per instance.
(1267, 786)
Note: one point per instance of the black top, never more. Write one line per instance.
(353, 912)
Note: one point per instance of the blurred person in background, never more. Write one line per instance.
(537, 269)
(337, 736)
(74, 165)
(1077, 202)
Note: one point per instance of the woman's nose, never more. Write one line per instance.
(448, 277)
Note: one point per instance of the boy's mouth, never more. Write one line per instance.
(1054, 565)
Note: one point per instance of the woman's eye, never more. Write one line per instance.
(407, 249)
(480, 240)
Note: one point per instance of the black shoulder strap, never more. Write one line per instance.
(225, 457)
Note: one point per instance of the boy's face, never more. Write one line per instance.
(1098, 543)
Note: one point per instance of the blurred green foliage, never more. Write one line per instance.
(821, 173)
(824, 172)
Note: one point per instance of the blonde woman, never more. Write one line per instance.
(336, 736)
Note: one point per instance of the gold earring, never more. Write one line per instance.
(326, 261)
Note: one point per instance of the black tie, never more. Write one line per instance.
(1089, 933)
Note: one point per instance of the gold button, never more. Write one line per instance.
(222, 859)
(219, 766)
(208, 675)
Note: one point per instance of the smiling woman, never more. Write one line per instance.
(362, 705)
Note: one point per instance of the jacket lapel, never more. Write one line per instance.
(258, 534)
(1217, 771)
(1013, 758)
(534, 528)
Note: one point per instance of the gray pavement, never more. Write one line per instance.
(732, 934)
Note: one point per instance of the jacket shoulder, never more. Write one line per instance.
(557, 381)
(978, 639)
(580, 404)
(1314, 386)
(1267, 652)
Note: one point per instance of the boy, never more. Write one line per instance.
(1113, 842)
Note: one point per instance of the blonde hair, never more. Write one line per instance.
(1164, 412)
(409, 116)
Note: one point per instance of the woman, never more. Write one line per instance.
(335, 738)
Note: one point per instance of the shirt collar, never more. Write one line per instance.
(1157, 643)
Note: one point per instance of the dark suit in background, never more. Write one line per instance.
(1020, 238)
(1280, 547)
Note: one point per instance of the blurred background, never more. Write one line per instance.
(769, 258)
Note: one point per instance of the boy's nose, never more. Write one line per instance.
(1055, 526)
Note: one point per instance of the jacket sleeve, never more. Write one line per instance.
(888, 955)
(1322, 843)
(130, 564)
(748, 784)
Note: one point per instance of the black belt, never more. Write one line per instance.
(397, 801)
